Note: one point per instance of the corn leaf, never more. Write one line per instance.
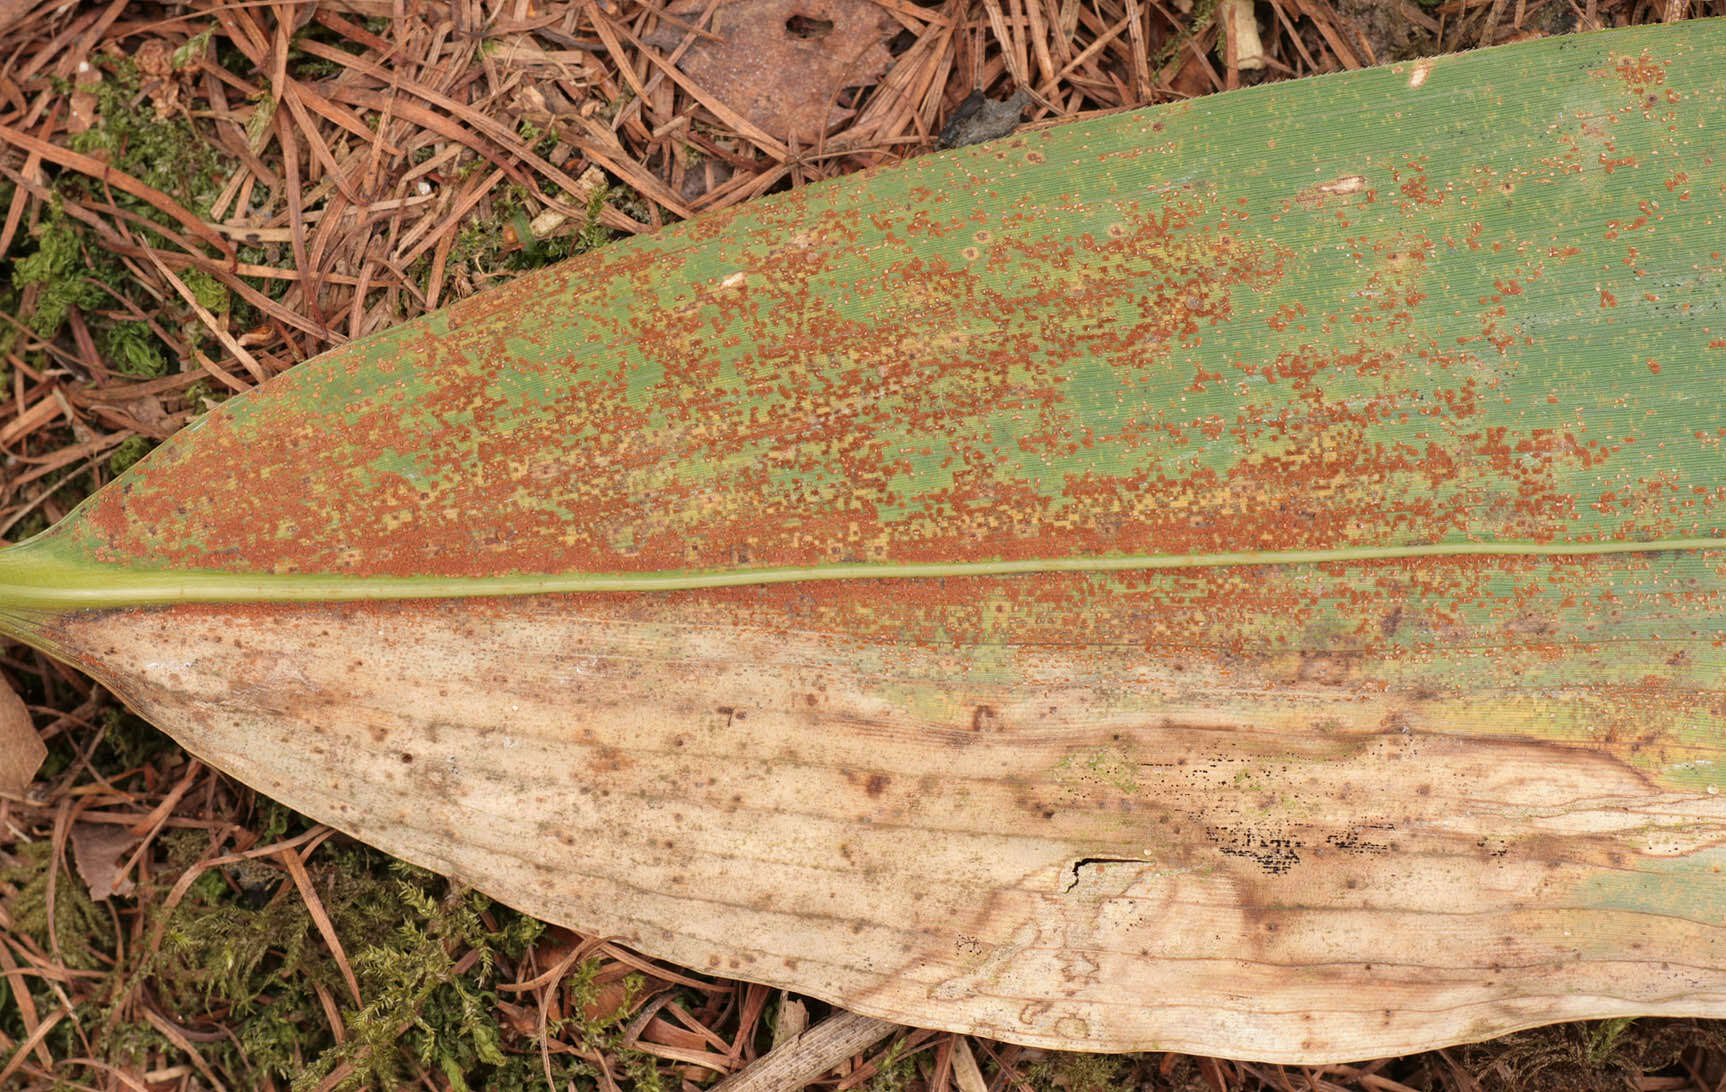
(1245, 576)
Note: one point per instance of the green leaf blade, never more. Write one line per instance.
(1442, 302)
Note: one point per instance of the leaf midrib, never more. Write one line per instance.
(43, 578)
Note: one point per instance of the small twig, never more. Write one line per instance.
(801, 1060)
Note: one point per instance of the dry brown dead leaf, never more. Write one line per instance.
(783, 63)
(99, 850)
(21, 749)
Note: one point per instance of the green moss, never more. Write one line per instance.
(64, 269)
(210, 293)
(217, 949)
(60, 270)
(504, 241)
(195, 48)
(165, 153)
(78, 930)
(131, 449)
(1602, 1039)
(417, 1003)
(1203, 12)
(128, 742)
(242, 952)
(59, 266)
(896, 1071)
(203, 395)
(133, 349)
(1078, 1072)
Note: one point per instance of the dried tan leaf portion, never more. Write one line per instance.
(1314, 853)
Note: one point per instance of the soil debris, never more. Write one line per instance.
(980, 118)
